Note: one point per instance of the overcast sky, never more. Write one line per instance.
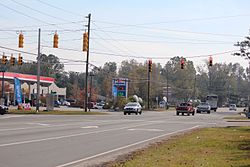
(124, 30)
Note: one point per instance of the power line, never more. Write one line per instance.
(43, 25)
(19, 51)
(115, 40)
(43, 13)
(58, 8)
(145, 57)
(181, 31)
(46, 30)
(21, 13)
(152, 41)
(163, 37)
(174, 21)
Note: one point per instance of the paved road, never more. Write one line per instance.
(49, 141)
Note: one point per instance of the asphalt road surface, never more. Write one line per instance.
(57, 141)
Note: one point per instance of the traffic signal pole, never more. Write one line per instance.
(3, 83)
(87, 68)
(148, 86)
(38, 72)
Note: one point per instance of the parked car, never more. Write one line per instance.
(66, 103)
(98, 106)
(57, 103)
(247, 112)
(232, 107)
(132, 107)
(3, 109)
(186, 107)
(203, 107)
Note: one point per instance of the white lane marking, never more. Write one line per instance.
(89, 127)
(1, 130)
(41, 124)
(68, 136)
(150, 130)
(127, 146)
(72, 124)
(11, 116)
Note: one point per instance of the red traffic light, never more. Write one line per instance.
(150, 65)
(210, 61)
(182, 63)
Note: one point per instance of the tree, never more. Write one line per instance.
(103, 78)
(244, 48)
(180, 80)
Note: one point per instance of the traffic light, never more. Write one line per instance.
(55, 43)
(182, 63)
(4, 59)
(210, 61)
(150, 65)
(20, 42)
(20, 59)
(12, 60)
(85, 42)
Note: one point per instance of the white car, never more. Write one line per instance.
(232, 107)
(98, 106)
(66, 103)
(132, 107)
(203, 107)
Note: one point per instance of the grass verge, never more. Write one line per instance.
(55, 112)
(210, 147)
(239, 117)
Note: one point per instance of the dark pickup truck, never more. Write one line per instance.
(185, 107)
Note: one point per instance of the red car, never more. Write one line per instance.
(185, 107)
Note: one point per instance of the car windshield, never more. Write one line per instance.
(204, 104)
(131, 104)
(184, 104)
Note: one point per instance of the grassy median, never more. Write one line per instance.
(210, 147)
(55, 112)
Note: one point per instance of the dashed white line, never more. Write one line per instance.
(11, 116)
(72, 135)
(42, 124)
(124, 147)
(150, 130)
(89, 127)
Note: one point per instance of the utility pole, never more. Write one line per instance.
(148, 86)
(167, 87)
(194, 87)
(87, 67)
(90, 94)
(3, 97)
(38, 72)
(3, 83)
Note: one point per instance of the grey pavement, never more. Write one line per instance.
(56, 140)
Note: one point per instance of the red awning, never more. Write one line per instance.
(27, 77)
